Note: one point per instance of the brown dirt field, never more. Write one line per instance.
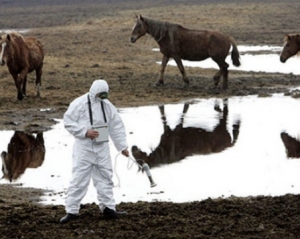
(90, 40)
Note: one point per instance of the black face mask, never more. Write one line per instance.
(102, 95)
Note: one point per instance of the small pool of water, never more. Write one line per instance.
(4, 31)
(232, 147)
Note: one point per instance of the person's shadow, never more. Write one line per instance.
(23, 151)
(181, 142)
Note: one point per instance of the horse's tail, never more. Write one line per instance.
(235, 55)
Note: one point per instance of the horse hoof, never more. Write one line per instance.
(20, 97)
(159, 83)
(216, 85)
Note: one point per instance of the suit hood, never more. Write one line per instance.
(98, 86)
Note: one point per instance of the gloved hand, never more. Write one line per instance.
(92, 134)
(125, 152)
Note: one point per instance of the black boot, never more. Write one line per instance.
(111, 214)
(67, 218)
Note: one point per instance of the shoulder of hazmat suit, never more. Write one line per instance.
(77, 118)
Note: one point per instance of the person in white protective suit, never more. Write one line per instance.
(86, 116)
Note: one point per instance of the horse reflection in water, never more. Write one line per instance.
(24, 151)
(291, 144)
(181, 142)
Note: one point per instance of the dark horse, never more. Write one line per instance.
(23, 151)
(22, 55)
(182, 142)
(180, 43)
(291, 46)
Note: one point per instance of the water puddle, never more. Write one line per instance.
(253, 58)
(4, 31)
(242, 146)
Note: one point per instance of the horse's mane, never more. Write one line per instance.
(285, 39)
(164, 25)
(293, 35)
(162, 29)
(15, 36)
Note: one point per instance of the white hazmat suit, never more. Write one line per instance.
(90, 159)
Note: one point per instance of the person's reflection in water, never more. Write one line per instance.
(291, 144)
(181, 142)
(23, 151)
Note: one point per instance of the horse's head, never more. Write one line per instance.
(5, 41)
(5, 167)
(291, 46)
(140, 29)
(139, 155)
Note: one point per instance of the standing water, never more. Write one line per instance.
(242, 154)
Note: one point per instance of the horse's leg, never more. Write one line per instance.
(18, 84)
(163, 116)
(236, 131)
(185, 109)
(24, 85)
(22, 79)
(217, 77)
(222, 72)
(182, 71)
(38, 81)
(225, 77)
(164, 63)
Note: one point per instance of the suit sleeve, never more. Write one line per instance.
(117, 131)
(73, 119)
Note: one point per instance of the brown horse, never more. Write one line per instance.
(24, 151)
(291, 47)
(181, 142)
(180, 43)
(22, 55)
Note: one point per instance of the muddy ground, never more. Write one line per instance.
(90, 40)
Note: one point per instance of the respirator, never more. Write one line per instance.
(102, 95)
